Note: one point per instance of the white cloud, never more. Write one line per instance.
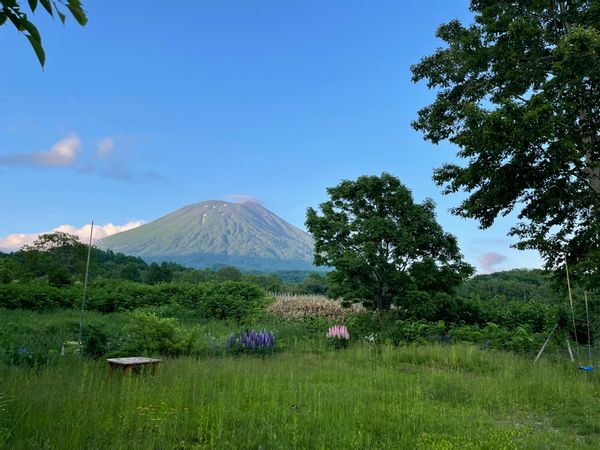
(63, 153)
(105, 147)
(14, 242)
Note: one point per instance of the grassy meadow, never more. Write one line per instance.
(401, 383)
(367, 396)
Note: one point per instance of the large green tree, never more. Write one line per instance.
(518, 91)
(382, 244)
(11, 11)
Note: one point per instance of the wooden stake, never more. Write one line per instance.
(545, 344)
(570, 351)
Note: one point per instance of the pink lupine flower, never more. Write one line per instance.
(338, 332)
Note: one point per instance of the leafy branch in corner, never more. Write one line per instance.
(11, 12)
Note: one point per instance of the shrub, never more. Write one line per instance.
(406, 331)
(95, 342)
(238, 301)
(36, 295)
(436, 306)
(495, 336)
(230, 300)
(149, 334)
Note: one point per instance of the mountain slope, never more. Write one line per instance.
(212, 233)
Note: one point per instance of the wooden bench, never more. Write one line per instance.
(127, 364)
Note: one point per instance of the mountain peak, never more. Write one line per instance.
(217, 232)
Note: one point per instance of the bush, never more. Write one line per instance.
(436, 306)
(35, 295)
(95, 342)
(495, 336)
(406, 331)
(230, 300)
(149, 334)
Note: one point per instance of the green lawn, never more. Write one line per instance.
(434, 397)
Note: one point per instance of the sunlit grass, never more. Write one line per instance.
(437, 397)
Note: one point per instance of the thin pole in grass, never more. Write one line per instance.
(85, 282)
(572, 313)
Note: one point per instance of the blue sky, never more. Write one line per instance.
(147, 109)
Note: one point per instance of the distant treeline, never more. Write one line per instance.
(49, 274)
(59, 260)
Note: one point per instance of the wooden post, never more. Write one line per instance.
(572, 315)
(545, 344)
(589, 336)
(570, 351)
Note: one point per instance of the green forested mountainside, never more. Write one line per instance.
(216, 233)
(516, 284)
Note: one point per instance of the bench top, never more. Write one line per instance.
(132, 361)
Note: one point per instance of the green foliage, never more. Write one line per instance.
(494, 336)
(36, 296)
(94, 342)
(438, 306)
(518, 91)
(11, 11)
(228, 274)
(239, 301)
(230, 300)
(314, 283)
(158, 274)
(148, 334)
(382, 244)
(517, 284)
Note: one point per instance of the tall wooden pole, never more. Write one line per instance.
(572, 311)
(85, 282)
(587, 317)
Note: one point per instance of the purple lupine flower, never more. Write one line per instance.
(252, 341)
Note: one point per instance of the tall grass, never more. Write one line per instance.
(429, 397)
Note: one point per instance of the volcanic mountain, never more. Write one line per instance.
(217, 233)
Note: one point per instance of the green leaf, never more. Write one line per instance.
(2, 18)
(61, 16)
(16, 19)
(33, 4)
(37, 47)
(47, 6)
(32, 30)
(77, 11)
